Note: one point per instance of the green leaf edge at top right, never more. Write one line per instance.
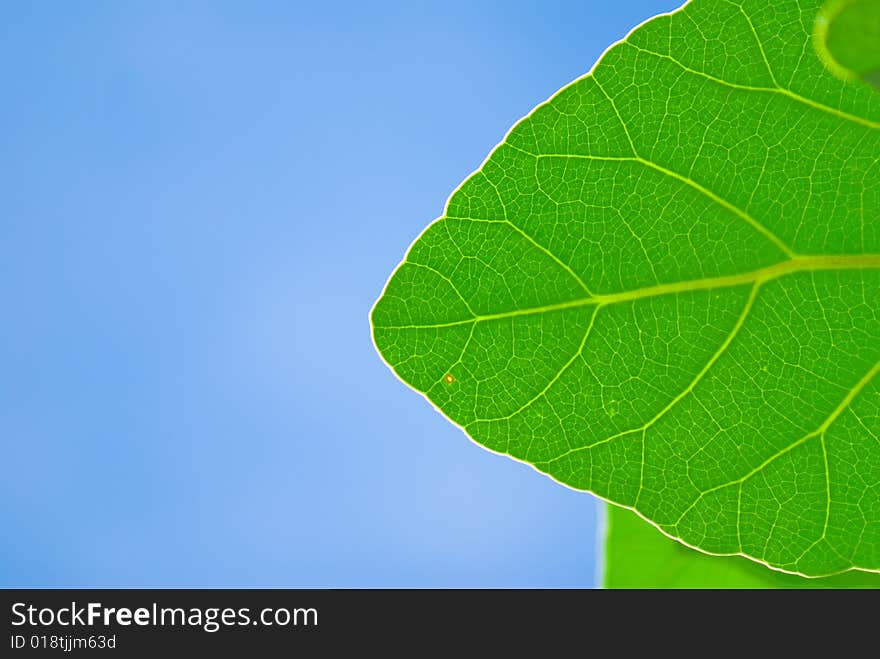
(663, 287)
(846, 36)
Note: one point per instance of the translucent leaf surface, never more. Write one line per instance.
(663, 287)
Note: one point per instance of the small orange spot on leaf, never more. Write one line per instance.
(449, 378)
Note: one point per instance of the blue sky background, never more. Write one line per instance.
(199, 203)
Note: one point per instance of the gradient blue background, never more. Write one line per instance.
(199, 203)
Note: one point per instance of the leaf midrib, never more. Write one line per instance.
(761, 275)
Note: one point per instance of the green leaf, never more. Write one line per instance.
(847, 39)
(639, 556)
(663, 287)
